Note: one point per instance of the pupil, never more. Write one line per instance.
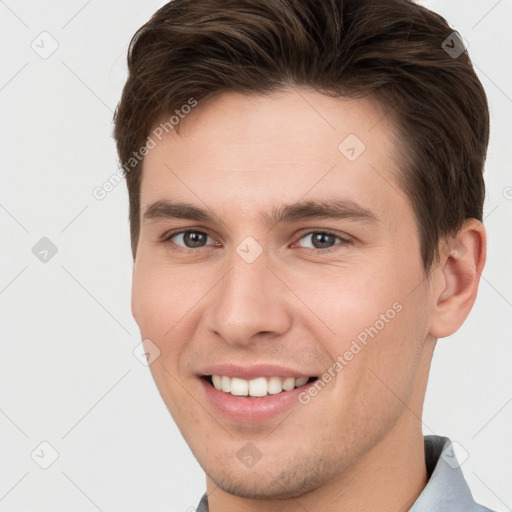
(322, 240)
(194, 239)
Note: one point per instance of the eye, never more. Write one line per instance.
(322, 241)
(318, 241)
(190, 239)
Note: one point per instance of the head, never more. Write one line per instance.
(326, 159)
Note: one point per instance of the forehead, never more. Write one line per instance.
(252, 151)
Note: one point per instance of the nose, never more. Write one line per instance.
(249, 302)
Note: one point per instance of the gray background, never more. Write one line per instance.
(68, 373)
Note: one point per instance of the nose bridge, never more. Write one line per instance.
(248, 300)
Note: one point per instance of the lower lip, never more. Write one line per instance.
(245, 409)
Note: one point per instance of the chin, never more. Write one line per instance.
(267, 483)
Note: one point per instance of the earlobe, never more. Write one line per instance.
(462, 259)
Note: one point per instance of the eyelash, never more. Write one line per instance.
(167, 240)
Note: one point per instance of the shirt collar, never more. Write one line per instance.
(446, 488)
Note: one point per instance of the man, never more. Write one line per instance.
(306, 193)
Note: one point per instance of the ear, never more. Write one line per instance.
(455, 280)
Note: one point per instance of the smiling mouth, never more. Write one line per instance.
(258, 387)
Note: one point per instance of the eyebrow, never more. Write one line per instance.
(303, 210)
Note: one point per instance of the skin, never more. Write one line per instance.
(358, 444)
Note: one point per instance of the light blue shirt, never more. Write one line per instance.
(446, 489)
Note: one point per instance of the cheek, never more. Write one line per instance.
(347, 301)
(160, 296)
(161, 300)
(389, 365)
(162, 305)
(378, 316)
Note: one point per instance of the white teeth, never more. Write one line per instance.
(226, 384)
(301, 381)
(257, 387)
(239, 387)
(217, 381)
(288, 384)
(274, 386)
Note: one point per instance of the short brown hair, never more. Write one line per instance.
(395, 49)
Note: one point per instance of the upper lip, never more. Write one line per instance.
(252, 371)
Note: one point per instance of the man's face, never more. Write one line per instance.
(252, 295)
